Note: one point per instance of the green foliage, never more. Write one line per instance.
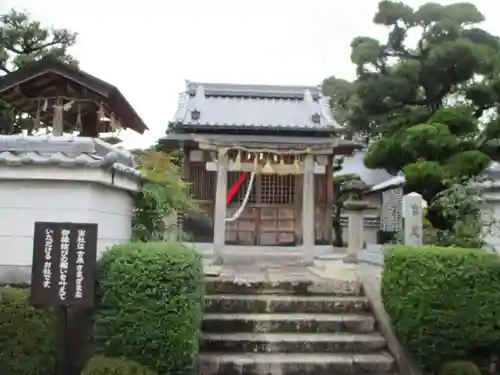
(471, 219)
(23, 42)
(340, 196)
(151, 300)
(419, 101)
(460, 368)
(100, 365)
(26, 335)
(443, 302)
(164, 193)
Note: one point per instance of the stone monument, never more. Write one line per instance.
(413, 205)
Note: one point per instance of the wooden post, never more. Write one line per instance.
(220, 207)
(329, 201)
(308, 209)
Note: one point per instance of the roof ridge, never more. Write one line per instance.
(223, 89)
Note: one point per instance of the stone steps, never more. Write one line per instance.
(225, 303)
(295, 363)
(291, 287)
(291, 322)
(289, 327)
(292, 342)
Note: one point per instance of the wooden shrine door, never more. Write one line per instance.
(270, 217)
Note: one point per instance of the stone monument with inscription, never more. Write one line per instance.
(413, 204)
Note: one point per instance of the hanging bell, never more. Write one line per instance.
(282, 167)
(296, 165)
(237, 162)
(268, 168)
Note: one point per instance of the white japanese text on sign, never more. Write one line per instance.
(47, 265)
(64, 264)
(80, 260)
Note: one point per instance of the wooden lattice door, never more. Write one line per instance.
(276, 211)
(269, 217)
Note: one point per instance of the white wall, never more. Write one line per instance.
(22, 202)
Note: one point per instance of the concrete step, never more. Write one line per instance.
(292, 342)
(228, 303)
(295, 363)
(294, 287)
(302, 323)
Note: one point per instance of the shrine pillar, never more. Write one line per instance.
(220, 206)
(308, 209)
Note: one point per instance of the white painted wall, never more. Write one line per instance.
(24, 201)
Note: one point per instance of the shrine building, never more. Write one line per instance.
(259, 160)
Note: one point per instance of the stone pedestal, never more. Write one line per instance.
(355, 229)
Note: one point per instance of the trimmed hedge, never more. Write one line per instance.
(150, 309)
(100, 365)
(460, 368)
(443, 302)
(27, 339)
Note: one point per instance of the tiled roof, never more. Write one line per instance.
(355, 165)
(65, 152)
(254, 106)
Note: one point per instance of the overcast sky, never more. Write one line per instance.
(148, 48)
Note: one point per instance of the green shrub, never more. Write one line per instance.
(26, 335)
(151, 300)
(443, 302)
(100, 365)
(460, 368)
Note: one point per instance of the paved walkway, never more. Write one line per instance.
(330, 273)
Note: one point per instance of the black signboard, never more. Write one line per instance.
(64, 256)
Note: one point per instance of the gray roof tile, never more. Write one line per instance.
(355, 165)
(64, 152)
(258, 106)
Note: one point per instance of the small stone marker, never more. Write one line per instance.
(413, 220)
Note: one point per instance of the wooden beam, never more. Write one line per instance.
(249, 167)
